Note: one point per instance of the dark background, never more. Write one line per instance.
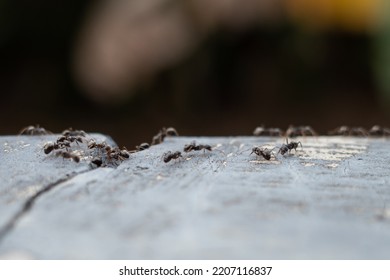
(270, 68)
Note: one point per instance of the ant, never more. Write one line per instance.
(92, 144)
(50, 146)
(70, 139)
(97, 161)
(264, 152)
(377, 130)
(142, 147)
(168, 156)
(124, 153)
(75, 139)
(262, 131)
(294, 131)
(34, 130)
(116, 153)
(71, 132)
(64, 154)
(349, 131)
(164, 132)
(289, 146)
(170, 131)
(193, 147)
(65, 141)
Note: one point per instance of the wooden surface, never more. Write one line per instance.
(327, 201)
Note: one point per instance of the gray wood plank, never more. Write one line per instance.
(26, 170)
(328, 200)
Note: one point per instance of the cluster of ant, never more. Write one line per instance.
(157, 139)
(376, 130)
(64, 144)
(101, 154)
(285, 148)
(104, 155)
(292, 131)
(295, 131)
(259, 151)
(168, 156)
(75, 144)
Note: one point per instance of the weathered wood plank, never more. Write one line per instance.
(26, 170)
(328, 200)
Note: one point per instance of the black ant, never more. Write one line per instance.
(164, 132)
(49, 147)
(262, 131)
(349, 131)
(124, 153)
(65, 141)
(92, 144)
(74, 133)
(294, 131)
(64, 154)
(170, 131)
(139, 148)
(72, 139)
(116, 153)
(97, 161)
(62, 142)
(289, 146)
(168, 156)
(34, 130)
(75, 139)
(264, 152)
(377, 130)
(193, 147)
(142, 147)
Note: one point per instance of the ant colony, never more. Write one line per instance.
(76, 145)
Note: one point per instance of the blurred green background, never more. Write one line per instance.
(221, 67)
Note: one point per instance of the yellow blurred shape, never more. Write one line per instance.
(349, 15)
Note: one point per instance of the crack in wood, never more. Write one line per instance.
(27, 206)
